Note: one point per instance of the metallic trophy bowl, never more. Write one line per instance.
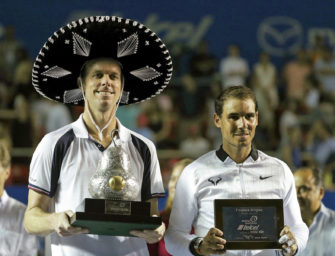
(112, 210)
(113, 178)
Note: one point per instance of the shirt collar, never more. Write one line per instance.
(322, 211)
(124, 133)
(222, 155)
(4, 197)
(80, 130)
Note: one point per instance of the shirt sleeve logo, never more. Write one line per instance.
(215, 181)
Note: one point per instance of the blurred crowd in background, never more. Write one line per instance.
(295, 103)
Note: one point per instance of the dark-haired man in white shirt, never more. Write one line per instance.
(237, 170)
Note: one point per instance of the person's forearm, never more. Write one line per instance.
(38, 222)
(177, 243)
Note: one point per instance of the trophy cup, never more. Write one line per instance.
(112, 209)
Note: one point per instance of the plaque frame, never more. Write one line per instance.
(219, 204)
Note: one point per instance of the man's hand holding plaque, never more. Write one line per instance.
(212, 243)
(288, 241)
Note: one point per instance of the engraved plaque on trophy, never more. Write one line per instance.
(250, 223)
(112, 210)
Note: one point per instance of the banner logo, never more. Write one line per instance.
(280, 36)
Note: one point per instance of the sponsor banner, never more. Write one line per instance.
(278, 27)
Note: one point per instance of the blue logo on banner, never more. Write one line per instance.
(280, 35)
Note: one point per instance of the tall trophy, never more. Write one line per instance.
(112, 209)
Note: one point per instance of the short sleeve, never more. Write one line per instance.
(40, 166)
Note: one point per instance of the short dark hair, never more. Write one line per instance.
(5, 158)
(237, 92)
(318, 176)
(88, 64)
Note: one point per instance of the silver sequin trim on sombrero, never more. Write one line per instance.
(146, 73)
(74, 95)
(127, 46)
(56, 72)
(81, 46)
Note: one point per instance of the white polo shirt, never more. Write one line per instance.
(61, 168)
(14, 240)
(321, 233)
(216, 176)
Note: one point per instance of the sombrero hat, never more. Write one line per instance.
(146, 62)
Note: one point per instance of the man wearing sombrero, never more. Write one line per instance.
(101, 62)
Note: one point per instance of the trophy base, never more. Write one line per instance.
(114, 225)
(115, 217)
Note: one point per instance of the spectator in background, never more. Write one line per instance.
(191, 98)
(5, 137)
(191, 102)
(40, 106)
(24, 136)
(4, 96)
(329, 172)
(161, 121)
(158, 249)
(294, 75)
(194, 145)
(58, 115)
(181, 57)
(315, 214)
(22, 76)
(291, 148)
(142, 126)
(23, 127)
(9, 54)
(14, 240)
(234, 69)
(325, 71)
(312, 93)
(212, 132)
(128, 115)
(288, 118)
(264, 85)
(323, 244)
(315, 51)
(203, 64)
(321, 141)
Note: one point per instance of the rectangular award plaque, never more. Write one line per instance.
(114, 217)
(250, 223)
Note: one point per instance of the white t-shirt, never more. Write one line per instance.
(14, 240)
(234, 71)
(61, 168)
